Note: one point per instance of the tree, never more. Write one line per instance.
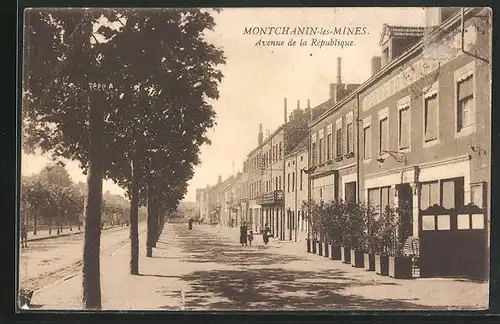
(60, 114)
(168, 44)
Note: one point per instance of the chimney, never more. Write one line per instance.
(432, 19)
(309, 103)
(298, 104)
(285, 112)
(261, 135)
(376, 64)
(339, 70)
(220, 179)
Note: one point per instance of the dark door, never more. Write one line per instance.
(350, 192)
(405, 198)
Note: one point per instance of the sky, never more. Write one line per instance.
(257, 79)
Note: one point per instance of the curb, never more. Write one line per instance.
(35, 239)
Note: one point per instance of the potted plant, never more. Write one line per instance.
(370, 238)
(385, 238)
(333, 230)
(343, 223)
(356, 213)
(400, 265)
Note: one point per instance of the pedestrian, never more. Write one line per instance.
(250, 237)
(190, 223)
(243, 234)
(265, 234)
(24, 235)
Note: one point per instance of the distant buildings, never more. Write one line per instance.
(418, 132)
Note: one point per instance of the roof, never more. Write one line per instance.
(266, 140)
(401, 31)
(302, 145)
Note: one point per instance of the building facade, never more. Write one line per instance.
(296, 192)
(333, 148)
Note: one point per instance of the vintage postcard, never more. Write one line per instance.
(255, 159)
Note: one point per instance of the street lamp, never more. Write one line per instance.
(397, 155)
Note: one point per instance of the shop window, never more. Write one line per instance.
(374, 199)
(429, 194)
(350, 192)
(477, 194)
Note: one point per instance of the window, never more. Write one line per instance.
(350, 138)
(280, 183)
(374, 199)
(404, 127)
(350, 192)
(329, 147)
(301, 158)
(293, 181)
(465, 103)
(448, 193)
(301, 173)
(384, 197)
(339, 142)
(288, 183)
(430, 117)
(313, 153)
(367, 142)
(384, 135)
(320, 159)
(276, 188)
(477, 193)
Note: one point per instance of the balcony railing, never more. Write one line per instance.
(272, 197)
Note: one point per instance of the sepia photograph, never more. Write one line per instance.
(255, 159)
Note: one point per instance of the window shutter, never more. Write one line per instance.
(404, 127)
(431, 117)
(339, 142)
(465, 88)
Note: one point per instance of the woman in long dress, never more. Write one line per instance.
(265, 234)
(243, 234)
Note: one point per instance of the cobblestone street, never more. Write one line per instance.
(206, 269)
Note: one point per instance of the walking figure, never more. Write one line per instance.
(190, 223)
(265, 234)
(24, 235)
(243, 234)
(250, 237)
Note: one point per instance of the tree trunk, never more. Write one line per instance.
(35, 225)
(70, 227)
(50, 226)
(58, 222)
(92, 228)
(151, 219)
(134, 218)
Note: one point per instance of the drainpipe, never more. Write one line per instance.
(295, 215)
(358, 166)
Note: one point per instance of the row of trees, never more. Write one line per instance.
(126, 93)
(359, 226)
(51, 198)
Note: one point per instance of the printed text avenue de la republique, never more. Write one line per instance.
(305, 31)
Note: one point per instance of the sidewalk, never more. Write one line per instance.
(207, 269)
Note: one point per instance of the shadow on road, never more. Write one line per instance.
(201, 248)
(279, 289)
(269, 288)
